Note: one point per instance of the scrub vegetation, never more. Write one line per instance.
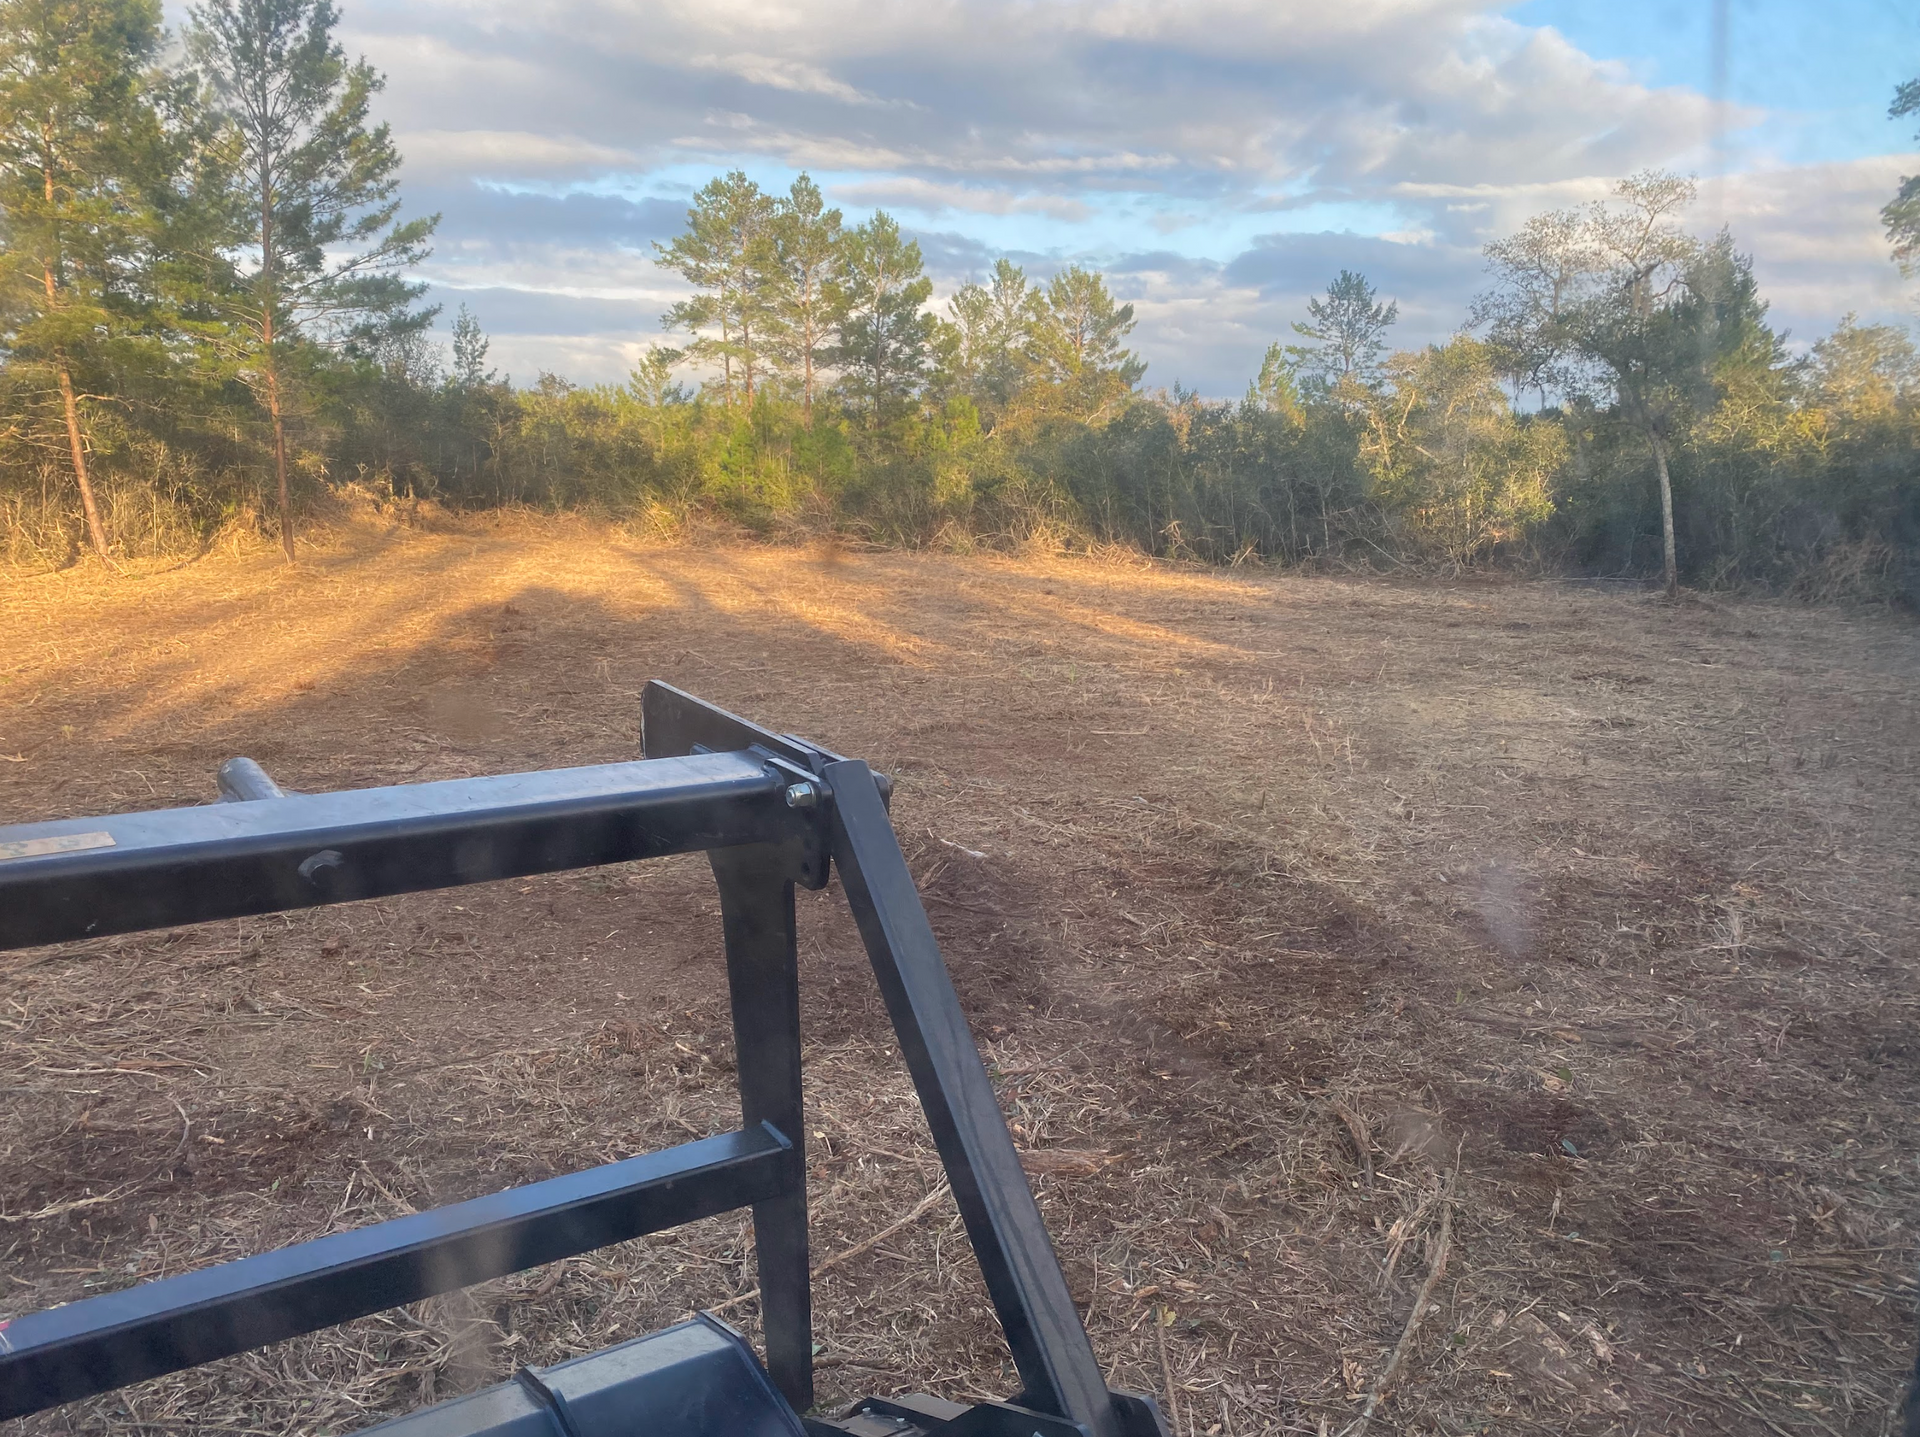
(210, 327)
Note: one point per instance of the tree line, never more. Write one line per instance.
(792, 303)
(208, 320)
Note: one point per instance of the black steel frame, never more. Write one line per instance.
(771, 811)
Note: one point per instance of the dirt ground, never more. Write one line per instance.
(1546, 950)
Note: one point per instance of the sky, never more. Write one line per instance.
(1220, 160)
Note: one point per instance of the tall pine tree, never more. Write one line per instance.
(884, 338)
(82, 157)
(1078, 340)
(1346, 334)
(320, 188)
(807, 244)
(728, 254)
(989, 339)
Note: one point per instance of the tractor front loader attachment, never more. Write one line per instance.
(771, 812)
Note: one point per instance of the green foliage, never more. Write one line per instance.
(470, 346)
(1541, 275)
(730, 255)
(986, 346)
(317, 195)
(1902, 214)
(1618, 301)
(807, 298)
(1346, 333)
(314, 248)
(885, 341)
(1642, 330)
(1076, 334)
(84, 164)
(1448, 454)
(1277, 386)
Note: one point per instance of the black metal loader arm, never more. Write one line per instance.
(771, 811)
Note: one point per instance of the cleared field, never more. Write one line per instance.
(1545, 949)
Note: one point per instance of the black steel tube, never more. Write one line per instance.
(100, 1343)
(1050, 1347)
(81, 878)
(763, 980)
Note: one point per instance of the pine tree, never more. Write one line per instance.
(1277, 388)
(651, 382)
(82, 157)
(807, 238)
(728, 255)
(1348, 332)
(1077, 340)
(470, 345)
(321, 193)
(884, 340)
(988, 340)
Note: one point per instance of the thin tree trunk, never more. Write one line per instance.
(96, 531)
(279, 440)
(806, 344)
(267, 296)
(1666, 514)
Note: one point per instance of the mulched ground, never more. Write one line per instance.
(1547, 950)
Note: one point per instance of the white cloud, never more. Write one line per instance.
(1815, 234)
(786, 74)
(933, 198)
(463, 154)
(1356, 93)
(1239, 137)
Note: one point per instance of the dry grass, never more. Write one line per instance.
(1542, 951)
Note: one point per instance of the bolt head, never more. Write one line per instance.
(802, 795)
